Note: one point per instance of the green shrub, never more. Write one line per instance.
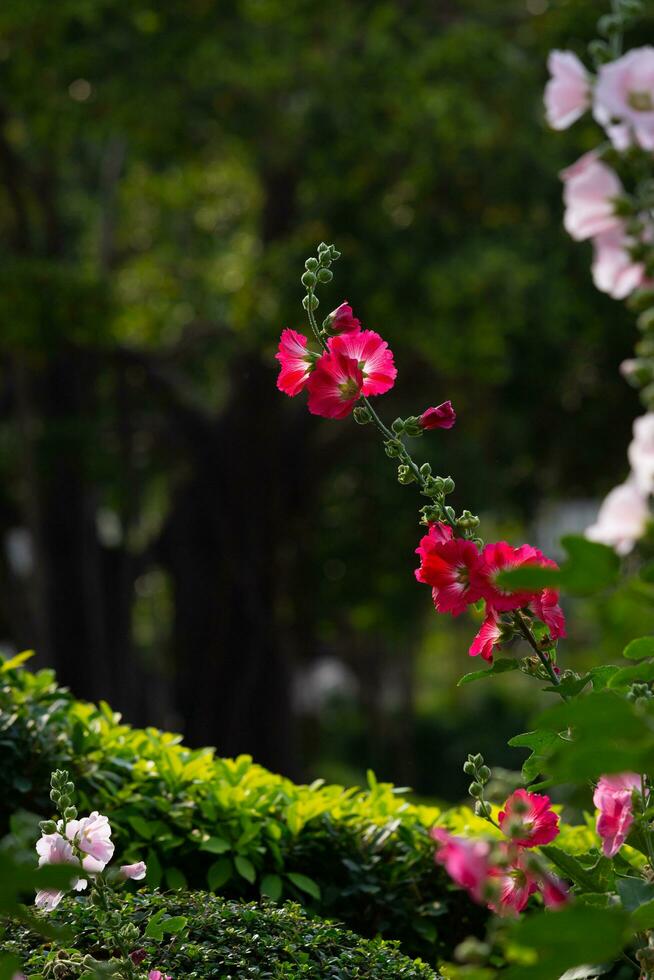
(363, 857)
(220, 939)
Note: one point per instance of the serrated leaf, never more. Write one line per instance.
(634, 892)
(639, 649)
(305, 884)
(596, 878)
(540, 742)
(500, 666)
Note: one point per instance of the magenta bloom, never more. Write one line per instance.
(567, 94)
(92, 835)
(528, 819)
(448, 566)
(373, 357)
(555, 892)
(296, 362)
(624, 99)
(342, 320)
(487, 638)
(158, 975)
(517, 881)
(467, 862)
(614, 270)
(501, 557)
(134, 872)
(441, 417)
(613, 799)
(590, 188)
(335, 385)
(546, 607)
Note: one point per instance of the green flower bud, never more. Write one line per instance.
(448, 485)
(70, 813)
(310, 302)
(48, 826)
(308, 279)
(478, 759)
(469, 768)
(323, 248)
(324, 275)
(398, 426)
(361, 415)
(405, 474)
(311, 264)
(475, 790)
(425, 469)
(479, 809)
(484, 774)
(392, 449)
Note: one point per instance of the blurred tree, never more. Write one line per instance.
(165, 169)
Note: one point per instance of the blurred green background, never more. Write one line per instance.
(177, 536)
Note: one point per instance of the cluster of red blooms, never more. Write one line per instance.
(356, 363)
(460, 574)
(504, 874)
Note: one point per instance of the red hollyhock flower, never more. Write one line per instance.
(447, 566)
(335, 386)
(500, 557)
(517, 882)
(373, 357)
(296, 362)
(487, 638)
(528, 819)
(441, 417)
(546, 607)
(342, 320)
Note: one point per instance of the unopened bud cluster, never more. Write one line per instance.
(474, 766)
(62, 794)
(316, 270)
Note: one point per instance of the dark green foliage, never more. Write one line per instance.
(361, 856)
(224, 940)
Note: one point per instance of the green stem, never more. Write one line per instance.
(523, 627)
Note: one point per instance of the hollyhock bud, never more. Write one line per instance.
(624, 99)
(135, 872)
(441, 417)
(447, 564)
(614, 270)
(528, 819)
(613, 799)
(342, 320)
(92, 836)
(296, 362)
(373, 357)
(467, 862)
(567, 93)
(590, 189)
(622, 519)
(335, 386)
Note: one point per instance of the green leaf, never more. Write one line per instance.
(245, 868)
(596, 878)
(155, 871)
(142, 826)
(553, 942)
(600, 676)
(215, 845)
(500, 666)
(643, 917)
(589, 568)
(219, 873)
(272, 887)
(634, 892)
(159, 924)
(627, 675)
(176, 879)
(570, 686)
(305, 884)
(639, 649)
(540, 743)
(16, 661)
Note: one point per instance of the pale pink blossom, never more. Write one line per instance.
(622, 519)
(567, 93)
(614, 270)
(624, 99)
(158, 975)
(590, 189)
(613, 799)
(92, 835)
(135, 872)
(641, 454)
(55, 849)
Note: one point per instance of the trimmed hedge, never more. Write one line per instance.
(219, 940)
(363, 857)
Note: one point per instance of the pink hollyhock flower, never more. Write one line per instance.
(567, 94)
(467, 862)
(516, 881)
(373, 357)
(614, 270)
(342, 320)
(158, 975)
(528, 819)
(296, 362)
(447, 566)
(135, 872)
(501, 557)
(555, 892)
(335, 386)
(441, 417)
(641, 454)
(55, 849)
(92, 835)
(487, 638)
(613, 799)
(624, 99)
(622, 519)
(590, 188)
(546, 607)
